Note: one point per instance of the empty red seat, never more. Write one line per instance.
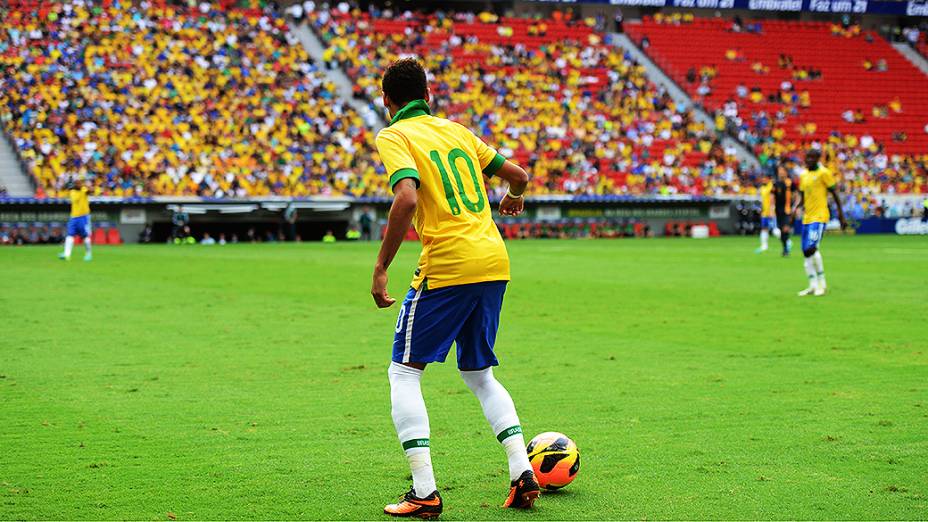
(113, 237)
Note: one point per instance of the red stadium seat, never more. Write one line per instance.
(113, 237)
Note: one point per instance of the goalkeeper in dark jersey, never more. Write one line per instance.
(784, 196)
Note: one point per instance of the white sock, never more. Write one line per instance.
(810, 271)
(87, 244)
(764, 235)
(68, 245)
(501, 414)
(412, 425)
(819, 268)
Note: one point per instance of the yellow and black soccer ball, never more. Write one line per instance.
(555, 459)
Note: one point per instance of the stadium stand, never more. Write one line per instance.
(170, 101)
(548, 93)
(221, 102)
(780, 85)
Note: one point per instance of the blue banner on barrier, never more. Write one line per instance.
(902, 226)
(882, 7)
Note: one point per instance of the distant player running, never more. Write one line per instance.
(815, 183)
(457, 291)
(783, 197)
(79, 223)
(767, 222)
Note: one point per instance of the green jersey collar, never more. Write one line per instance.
(411, 110)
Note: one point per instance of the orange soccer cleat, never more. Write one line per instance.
(412, 506)
(523, 491)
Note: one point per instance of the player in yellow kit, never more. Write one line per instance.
(768, 222)
(437, 171)
(79, 222)
(815, 182)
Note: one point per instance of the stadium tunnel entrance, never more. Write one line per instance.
(250, 231)
(246, 221)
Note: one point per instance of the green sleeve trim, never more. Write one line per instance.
(494, 165)
(402, 174)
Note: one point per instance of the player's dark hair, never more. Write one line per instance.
(405, 81)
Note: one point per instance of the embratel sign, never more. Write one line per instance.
(882, 7)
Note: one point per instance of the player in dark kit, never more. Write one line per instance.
(783, 197)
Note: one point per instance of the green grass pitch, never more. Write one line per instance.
(249, 381)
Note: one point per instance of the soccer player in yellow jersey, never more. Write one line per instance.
(815, 182)
(767, 222)
(436, 169)
(79, 222)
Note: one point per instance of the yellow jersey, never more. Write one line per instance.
(460, 241)
(766, 209)
(814, 185)
(80, 205)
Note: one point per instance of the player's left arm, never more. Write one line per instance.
(513, 203)
(494, 164)
(405, 200)
(837, 197)
(832, 185)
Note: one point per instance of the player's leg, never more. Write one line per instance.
(475, 360)
(68, 245)
(87, 243)
(783, 222)
(764, 235)
(819, 266)
(72, 230)
(421, 337)
(411, 420)
(811, 235)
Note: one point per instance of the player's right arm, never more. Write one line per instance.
(404, 180)
(405, 200)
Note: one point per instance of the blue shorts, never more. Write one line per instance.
(812, 235)
(768, 222)
(430, 320)
(79, 226)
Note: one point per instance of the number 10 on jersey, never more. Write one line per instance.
(454, 156)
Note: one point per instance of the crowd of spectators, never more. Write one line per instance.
(863, 166)
(148, 99)
(776, 123)
(581, 115)
(915, 35)
(143, 99)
